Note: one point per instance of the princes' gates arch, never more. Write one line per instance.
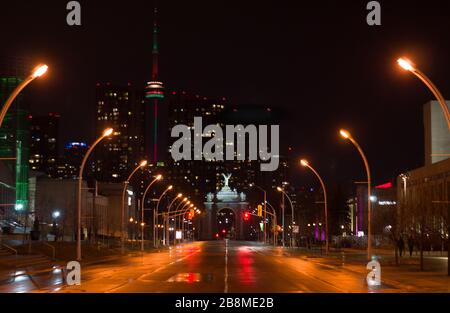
(223, 213)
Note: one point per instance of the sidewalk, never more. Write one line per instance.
(406, 276)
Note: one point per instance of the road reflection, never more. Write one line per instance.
(245, 267)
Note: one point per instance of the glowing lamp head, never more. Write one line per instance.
(19, 206)
(279, 189)
(170, 187)
(108, 132)
(405, 64)
(143, 163)
(304, 162)
(158, 177)
(179, 195)
(344, 133)
(185, 199)
(40, 70)
(191, 205)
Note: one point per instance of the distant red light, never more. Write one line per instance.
(223, 231)
(217, 235)
(384, 186)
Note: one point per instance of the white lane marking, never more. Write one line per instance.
(226, 267)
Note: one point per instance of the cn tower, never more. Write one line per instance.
(154, 93)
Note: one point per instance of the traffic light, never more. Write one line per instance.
(246, 216)
(259, 210)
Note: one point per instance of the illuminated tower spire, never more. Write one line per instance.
(154, 90)
(155, 48)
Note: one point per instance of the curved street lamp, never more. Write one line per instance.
(158, 177)
(345, 134)
(125, 186)
(155, 214)
(181, 202)
(173, 201)
(306, 164)
(37, 72)
(274, 223)
(265, 208)
(292, 207)
(166, 220)
(409, 66)
(105, 134)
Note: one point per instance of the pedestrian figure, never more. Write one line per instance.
(410, 245)
(401, 245)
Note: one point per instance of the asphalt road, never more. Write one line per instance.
(220, 266)
(225, 267)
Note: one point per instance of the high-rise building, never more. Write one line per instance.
(14, 140)
(68, 166)
(197, 177)
(203, 176)
(119, 107)
(44, 142)
(437, 136)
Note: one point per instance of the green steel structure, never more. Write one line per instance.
(14, 140)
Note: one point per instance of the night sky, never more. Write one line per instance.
(318, 61)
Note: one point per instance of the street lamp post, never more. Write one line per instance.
(306, 164)
(105, 134)
(37, 72)
(167, 222)
(125, 186)
(188, 204)
(292, 208)
(265, 209)
(274, 224)
(158, 177)
(155, 215)
(407, 65)
(345, 134)
(187, 209)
